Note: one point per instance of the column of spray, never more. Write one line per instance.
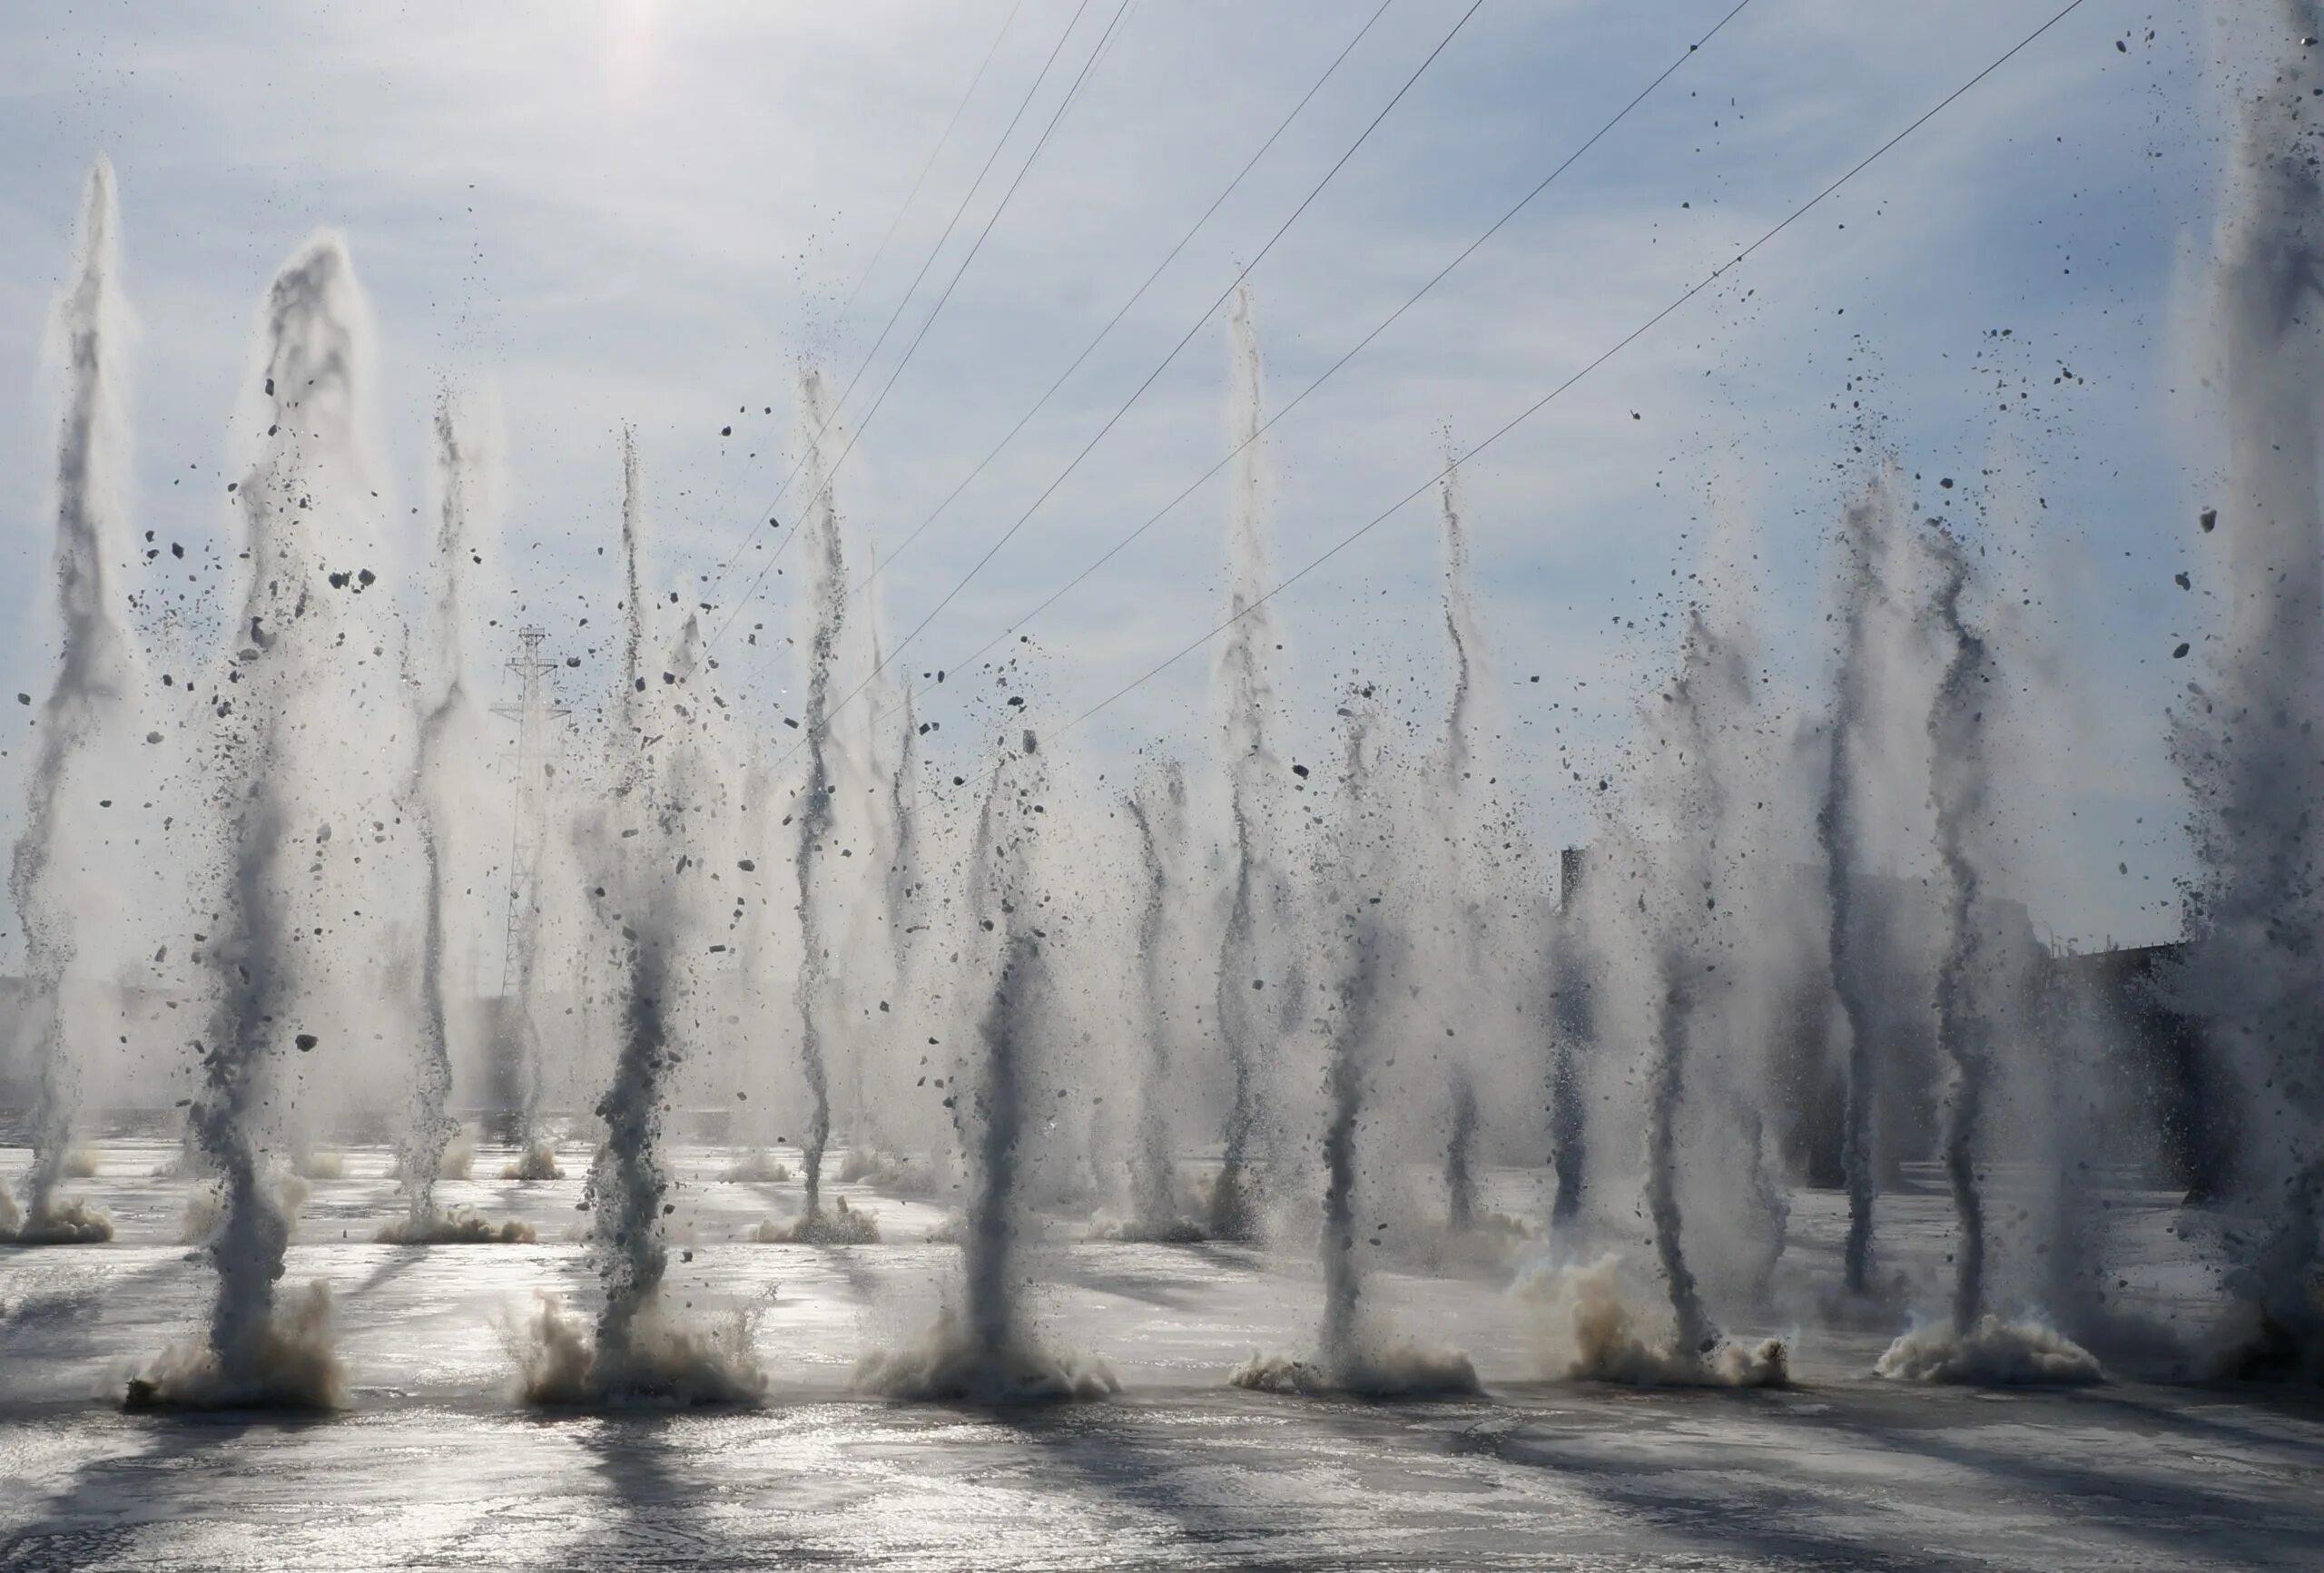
(273, 750)
(627, 1182)
(1864, 531)
(91, 705)
(901, 888)
(825, 601)
(1711, 679)
(432, 1126)
(1246, 694)
(534, 768)
(1357, 997)
(1575, 1025)
(1157, 808)
(2255, 973)
(997, 901)
(1959, 787)
(1465, 636)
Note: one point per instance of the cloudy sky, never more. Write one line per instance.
(653, 211)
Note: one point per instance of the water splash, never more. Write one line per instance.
(89, 711)
(1247, 699)
(2254, 975)
(824, 600)
(981, 1351)
(1866, 528)
(1960, 787)
(443, 729)
(300, 661)
(1157, 808)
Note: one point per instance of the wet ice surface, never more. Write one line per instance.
(435, 1466)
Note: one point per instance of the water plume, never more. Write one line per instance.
(1461, 1155)
(1464, 633)
(979, 1351)
(901, 895)
(1157, 808)
(1352, 1353)
(1960, 786)
(1246, 695)
(1711, 684)
(89, 710)
(299, 663)
(1867, 528)
(2254, 973)
(443, 724)
(1573, 1030)
(641, 1350)
(824, 599)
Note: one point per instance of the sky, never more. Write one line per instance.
(652, 213)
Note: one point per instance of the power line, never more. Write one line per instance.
(1184, 340)
(839, 328)
(855, 436)
(1136, 295)
(1530, 410)
(1358, 346)
(750, 529)
(933, 153)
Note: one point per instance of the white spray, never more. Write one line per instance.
(90, 708)
(825, 601)
(441, 728)
(297, 654)
(2248, 740)
(1247, 1023)
(1865, 530)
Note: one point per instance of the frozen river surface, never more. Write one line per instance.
(434, 1465)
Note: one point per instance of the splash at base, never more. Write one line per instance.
(537, 1162)
(757, 1166)
(840, 1225)
(666, 1363)
(1400, 1370)
(950, 1364)
(1993, 1353)
(456, 1226)
(62, 1221)
(292, 1366)
(1591, 1331)
(1165, 1230)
